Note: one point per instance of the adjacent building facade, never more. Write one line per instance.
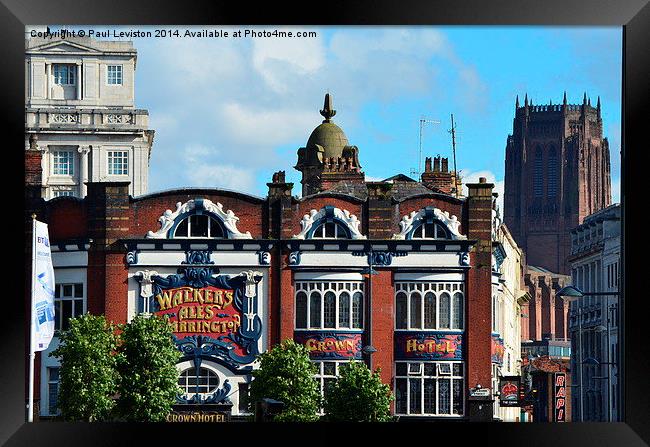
(508, 295)
(595, 266)
(557, 171)
(80, 114)
(396, 273)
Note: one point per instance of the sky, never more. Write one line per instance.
(228, 112)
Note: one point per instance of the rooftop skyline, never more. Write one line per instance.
(228, 112)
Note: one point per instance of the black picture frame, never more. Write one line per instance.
(632, 15)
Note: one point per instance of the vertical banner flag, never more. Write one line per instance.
(42, 289)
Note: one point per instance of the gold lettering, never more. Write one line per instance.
(198, 295)
(208, 297)
(309, 344)
(228, 300)
(199, 312)
(205, 326)
(182, 326)
(164, 300)
(191, 326)
(411, 345)
(178, 298)
(182, 313)
(209, 313)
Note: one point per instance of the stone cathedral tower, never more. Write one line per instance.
(557, 172)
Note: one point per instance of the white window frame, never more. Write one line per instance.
(71, 78)
(321, 228)
(337, 287)
(437, 288)
(62, 193)
(189, 228)
(108, 74)
(189, 393)
(56, 164)
(51, 382)
(320, 375)
(58, 308)
(420, 232)
(411, 374)
(110, 154)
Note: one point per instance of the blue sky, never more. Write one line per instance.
(229, 112)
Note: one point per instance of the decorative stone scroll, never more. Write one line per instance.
(415, 218)
(343, 216)
(228, 218)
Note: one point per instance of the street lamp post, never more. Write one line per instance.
(571, 293)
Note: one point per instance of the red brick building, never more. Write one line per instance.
(557, 171)
(397, 266)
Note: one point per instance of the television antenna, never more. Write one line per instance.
(423, 122)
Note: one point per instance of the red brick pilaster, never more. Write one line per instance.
(479, 286)
(383, 324)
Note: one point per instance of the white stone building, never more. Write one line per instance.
(507, 294)
(595, 267)
(80, 112)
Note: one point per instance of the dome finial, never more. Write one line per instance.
(328, 112)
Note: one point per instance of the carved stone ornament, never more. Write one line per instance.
(146, 282)
(412, 220)
(252, 279)
(228, 219)
(350, 220)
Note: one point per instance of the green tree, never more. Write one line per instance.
(358, 396)
(147, 365)
(88, 375)
(286, 374)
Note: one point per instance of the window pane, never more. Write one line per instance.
(415, 396)
(314, 310)
(344, 310)
(444, 403)
(215, 229)
(416, 310)
(458, 396)
(181, 229)
(400, 396)
(430, 369)
(243, 398)
(78, 290)
(330, 310)
(329, 368)
(67, 290)
(400, 369)
(429, 396)
(53, 395)
(444, 311)
(357, 310)
(429, 311)
(67, 313)
(458, 311)
(329, 230)
(301, 310)
(199, 226)
(429, 231)
(400, 311)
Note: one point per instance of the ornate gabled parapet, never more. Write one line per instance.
(312, 220)
(169, 218)
(416, 218)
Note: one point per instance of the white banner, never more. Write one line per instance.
(42, 289)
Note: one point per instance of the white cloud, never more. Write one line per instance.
(221, 176)
(473, 177)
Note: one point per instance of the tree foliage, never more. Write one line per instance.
(88, 377)
(358, 395)
(287, 374)
(147, 367)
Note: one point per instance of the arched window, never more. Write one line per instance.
(204, 384)
(329, 305)
(438, 306)
(430, 230)
(538, 173)
(330, 230)
(552, 173)
(199, 226)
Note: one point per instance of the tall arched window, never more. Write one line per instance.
(329, 305)
(551, 173)
(538, 173)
